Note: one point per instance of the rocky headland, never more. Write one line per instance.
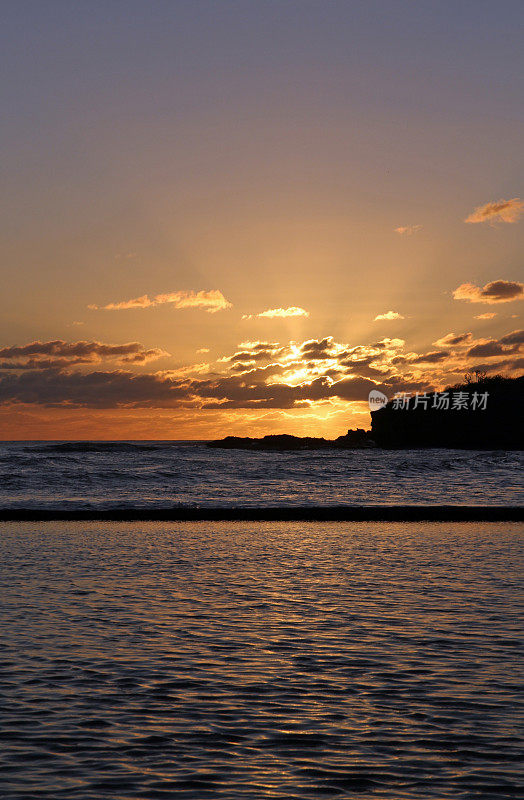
(485, 414)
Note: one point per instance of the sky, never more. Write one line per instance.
(240, 217)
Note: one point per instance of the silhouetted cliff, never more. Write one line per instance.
(487, 414)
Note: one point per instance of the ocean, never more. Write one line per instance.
(102, 475)
(258, 659)
(261, 660)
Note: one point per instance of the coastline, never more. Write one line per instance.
(374, 513)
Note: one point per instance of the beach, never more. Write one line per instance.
(261, 659)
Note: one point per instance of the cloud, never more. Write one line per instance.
(498, 291)
(188, 371)
(408, 230)
(319, 349)
(453, 340)
(122, 389)
(430, 358)
(271, 313)
(487, 315)
(260, 375)
(515, 337)
(252, 352)
(203, 350)
(59, 354)
(510, 343)
(389, 344)
(211, 301)
(501, 211)
(491, 348)
(388, 315)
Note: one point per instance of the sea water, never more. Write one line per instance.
(161, 474)
(260, 660)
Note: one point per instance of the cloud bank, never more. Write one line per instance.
(260, 375)
(57, 354)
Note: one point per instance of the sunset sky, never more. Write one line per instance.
(239, 217)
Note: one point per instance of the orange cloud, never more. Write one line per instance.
(211, 301)
(453, 340)
(388, 315)
(501, 211)
(499, 291)
(271, 313)
(260, 376)
(408, 230)
(487, 315)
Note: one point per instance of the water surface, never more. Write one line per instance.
(159, 474)
(234, 660)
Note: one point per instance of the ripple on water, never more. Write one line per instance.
(260, 660)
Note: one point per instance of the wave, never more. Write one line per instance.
(159, 473)
(95, 447)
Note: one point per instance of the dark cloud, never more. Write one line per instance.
(318, 349)
(92, 389)
(433, 357)
(362, 367)
(249, 356)
(491, 348)
(515, 337)
(119, 389)
(510, 343)
(256, 351)
(260, 375)
(59, 354)
(453, 340)
(283, 396)
(499, 291)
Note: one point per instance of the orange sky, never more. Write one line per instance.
(239, 219)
